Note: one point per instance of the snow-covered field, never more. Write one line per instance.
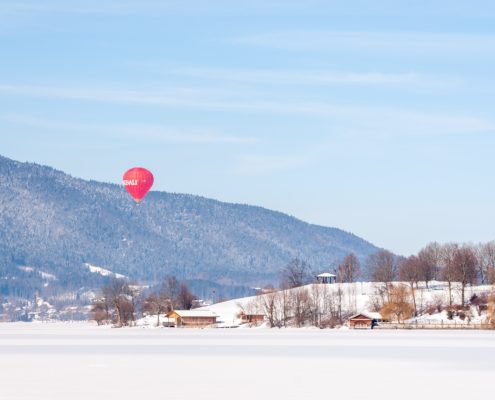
(82, 361)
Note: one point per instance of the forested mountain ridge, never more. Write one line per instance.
(56, 223)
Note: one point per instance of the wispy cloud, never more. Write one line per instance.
(316, 77)
(142, 7)
(439, 8)
(104, 7)
(387, 119)
(154, 133)
(403, 42)
(208, 98)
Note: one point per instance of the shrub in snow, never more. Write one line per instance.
(431, 309)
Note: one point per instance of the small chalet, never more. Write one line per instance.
(326, 277)
(365, 320)
(251, 318)
(191, 318)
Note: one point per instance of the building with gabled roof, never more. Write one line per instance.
(364, 320)
(251, 318)
(191, 318)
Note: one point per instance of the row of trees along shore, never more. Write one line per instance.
(120, 302)
(465, 264)
(397, 279)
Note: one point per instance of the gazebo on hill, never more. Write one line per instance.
(326, 277)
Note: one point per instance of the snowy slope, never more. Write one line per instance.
(357, 297)
(102, 271)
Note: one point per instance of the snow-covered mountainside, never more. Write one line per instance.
(57, 223)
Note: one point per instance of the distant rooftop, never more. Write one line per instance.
(194, 313)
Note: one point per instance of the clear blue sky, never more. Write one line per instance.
(376, 117)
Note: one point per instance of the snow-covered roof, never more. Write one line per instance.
(193, 313)
(369, 314)
(326, 275)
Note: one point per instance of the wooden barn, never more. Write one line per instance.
(251, 318)
(364, 320)
(191, 318)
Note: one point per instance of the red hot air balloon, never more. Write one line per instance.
(138, 182)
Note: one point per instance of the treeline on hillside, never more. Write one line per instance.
(465, 264)
(450, 262)
(120, 303)
(397, 280)
(456, 264)
(322, 306)
(328, 306)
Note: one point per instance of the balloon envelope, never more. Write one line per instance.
(138, 182)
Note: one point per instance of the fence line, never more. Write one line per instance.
(433, 325)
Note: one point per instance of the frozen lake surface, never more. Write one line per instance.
(81, 361)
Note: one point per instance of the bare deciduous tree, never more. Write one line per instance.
(448, 252)
(349, 269)
(284, 308)
(410, 271)
(269, 307)
(127, 308)
(297, 273)
(170, 289)
(333, 304)
(276, 307)
(120, 298)
(464, 264)
(100, 312)
(300, 306)
(485, 254)
(383, 268)
(184, 298)
(156, 304)
(430, 259)
(317, 297)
